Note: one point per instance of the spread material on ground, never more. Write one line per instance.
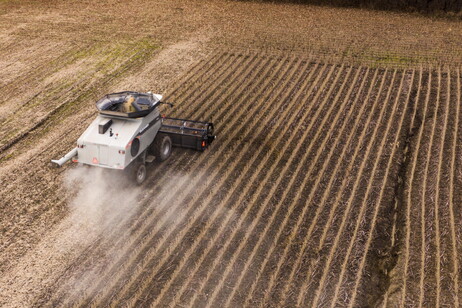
(334, 180)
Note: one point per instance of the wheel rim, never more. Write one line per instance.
(166, 148)
(140, 174)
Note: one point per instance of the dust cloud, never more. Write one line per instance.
(101, 203)
(102, 200)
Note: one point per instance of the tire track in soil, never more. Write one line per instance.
(316, 267)
(417, 194)
(401, 207)
(410, 185)
(334, 299)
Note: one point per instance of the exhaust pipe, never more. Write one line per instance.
(65, 158)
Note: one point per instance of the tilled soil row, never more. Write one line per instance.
(171, 263)
(432, 278)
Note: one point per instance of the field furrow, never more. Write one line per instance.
(410, 291)
(446, 295)
(457, 182)
(340, 294)
(298, 243)
(287, 193)
(304, 263)
(429, 258)
(452, 174)
(320, 143)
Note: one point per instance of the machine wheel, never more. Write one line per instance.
(139, 173)
(162, 147)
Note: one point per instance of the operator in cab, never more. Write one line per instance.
(127, 106)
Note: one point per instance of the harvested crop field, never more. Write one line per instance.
(334, 180)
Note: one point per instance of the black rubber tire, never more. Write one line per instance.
(162, 147)
(139, 173)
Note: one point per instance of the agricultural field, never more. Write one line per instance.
(334, 180)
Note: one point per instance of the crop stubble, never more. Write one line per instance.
(291, 203)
